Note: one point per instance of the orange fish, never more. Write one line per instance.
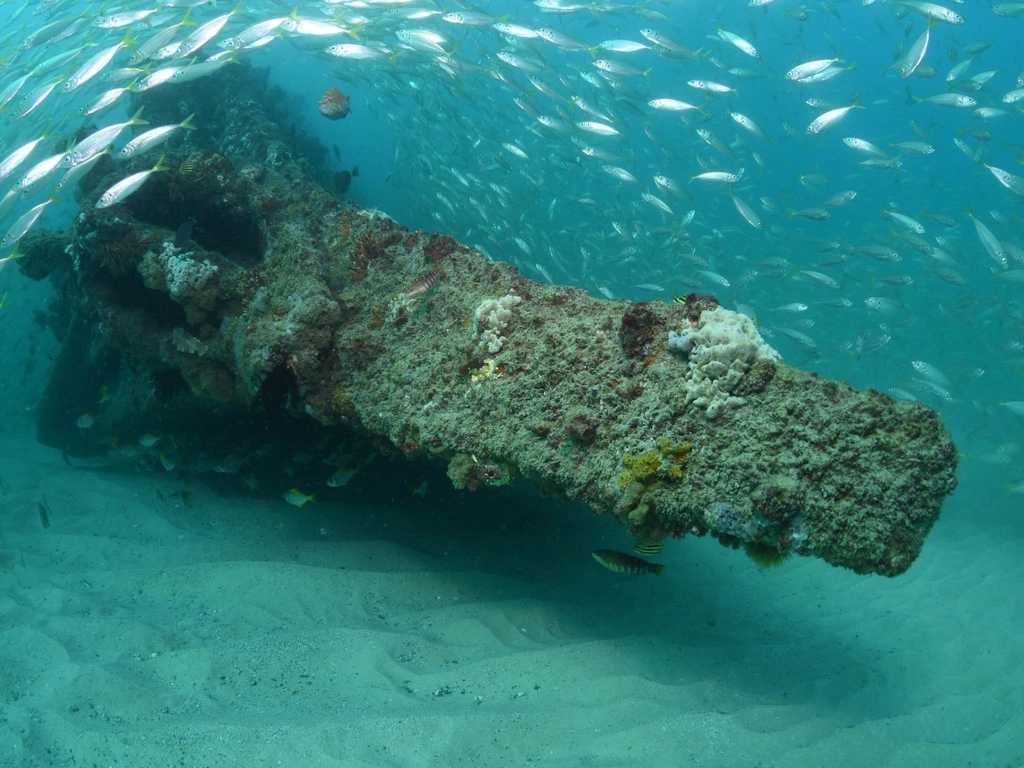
(334, 104)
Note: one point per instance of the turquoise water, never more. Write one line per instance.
(449, 136)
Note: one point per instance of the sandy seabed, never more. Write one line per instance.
(140, 631)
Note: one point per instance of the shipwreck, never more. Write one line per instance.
(281, 303)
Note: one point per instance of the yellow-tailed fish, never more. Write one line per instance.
(127, 186)
(95, 65)
(151, 138)
(24, 223)
(99, 140)
(298, 498)
(204, 33)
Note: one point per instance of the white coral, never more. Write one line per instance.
(491, 318)
(725, 346)
(184, 275)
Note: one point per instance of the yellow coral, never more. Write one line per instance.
(665, 463)
(673, 472)
(641, 467)
(677, 453)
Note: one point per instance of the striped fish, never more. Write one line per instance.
(648, 549)
(620, 562)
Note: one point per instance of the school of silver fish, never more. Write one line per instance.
(844, 172)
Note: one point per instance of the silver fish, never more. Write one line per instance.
(829, 119)
(155, 136)
(124, 188)
(100, 140)
(94, 66)
(24, 223)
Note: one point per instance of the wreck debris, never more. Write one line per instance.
(674, 419)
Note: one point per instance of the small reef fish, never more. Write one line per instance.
(43, 508)
(648, 550)
(343, 179)
(298, 498)
(339, 479)
(334, 104)
(620, 562)
(184, 233)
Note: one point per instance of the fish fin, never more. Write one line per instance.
(352, 31)
(355, 171)
(136, 119)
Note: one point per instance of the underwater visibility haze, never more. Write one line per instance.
(328, 326)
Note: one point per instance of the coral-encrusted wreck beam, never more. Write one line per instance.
(675, 419)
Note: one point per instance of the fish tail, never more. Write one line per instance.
(187, 123)
(352, 31)
(657, 568)
(137, 119)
